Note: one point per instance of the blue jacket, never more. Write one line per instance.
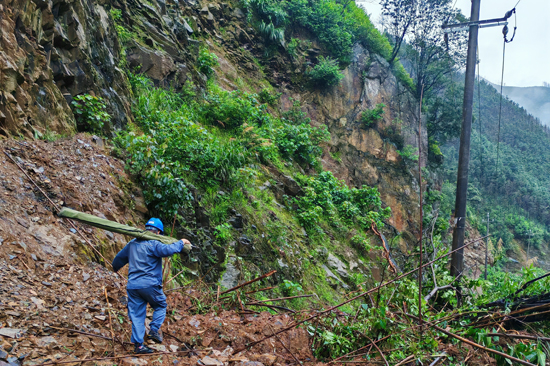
(145, 261)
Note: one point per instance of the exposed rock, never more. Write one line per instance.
(334, 278)
(154, 63)
(230, 277)
(237, 221)
(338, 265)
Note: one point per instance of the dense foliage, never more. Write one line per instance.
(329, 198)
(90, 112)
(337, 24)
(509, 179)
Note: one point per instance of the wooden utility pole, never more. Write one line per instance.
(487, 246)
(457, 259)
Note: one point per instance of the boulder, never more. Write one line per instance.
(337, 265)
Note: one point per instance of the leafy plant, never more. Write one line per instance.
(327, 197)
(265, 96)
(371, 116)
(207, 61)
(90, 112)
(289, 288)
(326, 73)
(301, 142)
(123, 34)
(409, 152)
(223, 232)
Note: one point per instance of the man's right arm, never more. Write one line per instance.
(167, 250)
(121, 259)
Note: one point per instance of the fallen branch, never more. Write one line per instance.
(271, 306)
(285, 347)
(110, 358)
(249, 282)
(437, 360)
(240, 349)
(85, 333)
(519, 336)
(262, 289)
(284, 298)
(410, 358)
(379, 351)
(471, 343)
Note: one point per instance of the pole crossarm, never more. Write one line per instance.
(479, 23)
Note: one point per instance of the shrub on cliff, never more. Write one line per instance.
(326, 73)
(90, 113)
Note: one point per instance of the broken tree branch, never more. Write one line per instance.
(285, 347)
(249, 282)
(111, 358)
(85, 333)
(471, 343)
(353, 298)
(519, 336)
(284, 298)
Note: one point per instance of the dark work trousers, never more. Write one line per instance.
(137, 310)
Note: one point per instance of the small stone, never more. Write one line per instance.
(3, 354)
(133, 361)
(85, 276)
(87, 316)
(158, 347)
(46, 283)
(100, 317)
(72, 231)
(10, 332)
(33, 256)
(209, 361)
(194, 322)
(174, 348)
(45, 342)
(13, 313)
(249, 363)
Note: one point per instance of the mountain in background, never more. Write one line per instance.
(535, 99)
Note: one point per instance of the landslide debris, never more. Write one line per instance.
(53, 299)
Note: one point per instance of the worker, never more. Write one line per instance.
(145, 282)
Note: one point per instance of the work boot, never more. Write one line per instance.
(155, 336)
(142, 349)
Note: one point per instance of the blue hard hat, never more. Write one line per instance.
(156, 223)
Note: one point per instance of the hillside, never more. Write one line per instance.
(535, 99)
(515, 190)
(278, 138)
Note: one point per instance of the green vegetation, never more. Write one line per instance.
(206, 62)
(338, 25)
(371, 116)
(326, 73)
(409, 153)
(90, 113)
(330, 199)
(516, 188)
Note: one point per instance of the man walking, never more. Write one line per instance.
(144, 258)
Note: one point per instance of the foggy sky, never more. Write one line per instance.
(527, 57)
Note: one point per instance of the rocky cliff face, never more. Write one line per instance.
(53, 50)
(368, 155)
